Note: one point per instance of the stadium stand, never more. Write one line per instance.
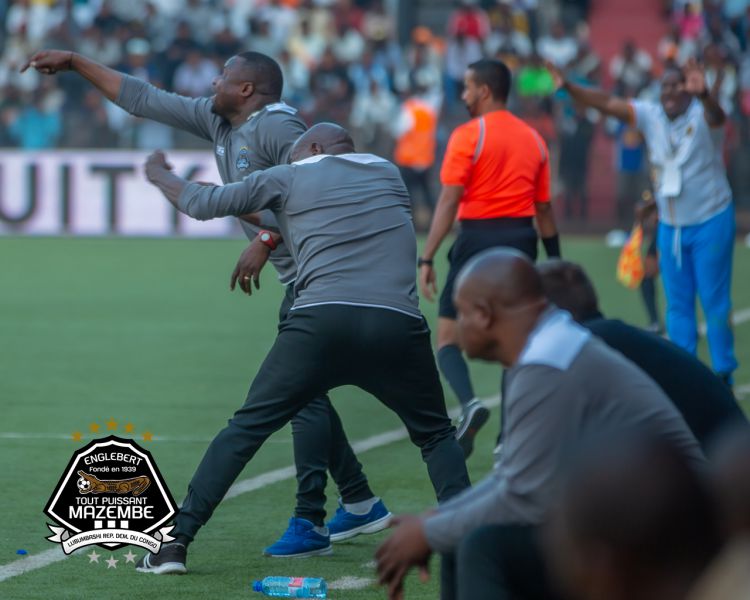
(357, 61)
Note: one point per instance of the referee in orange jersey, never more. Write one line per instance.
(495, 179)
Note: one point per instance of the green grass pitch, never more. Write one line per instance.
(146, 331)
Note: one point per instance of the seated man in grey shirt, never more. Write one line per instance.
(346, 219)
(561, 385)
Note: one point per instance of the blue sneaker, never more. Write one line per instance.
(345, 525)
(300, 540)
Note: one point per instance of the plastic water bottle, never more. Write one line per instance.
(292, 587)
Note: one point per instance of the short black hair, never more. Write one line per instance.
(495, 74)
(264, 72)
(567, 285)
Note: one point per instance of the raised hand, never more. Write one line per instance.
(156, 163)
(695, 78)
(49, 62)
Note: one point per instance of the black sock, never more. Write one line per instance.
(182, 539)
(453, 367)
(648, 291)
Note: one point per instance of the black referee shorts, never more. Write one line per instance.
(477, 235)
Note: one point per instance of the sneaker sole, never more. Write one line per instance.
(470, 427)
(374, 527)
(321, 552)
(170, 568)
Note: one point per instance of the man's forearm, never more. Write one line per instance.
(714, 114)
(170, 185)
(600, 100)
(442, 220)
(481, 505)
(107, 80)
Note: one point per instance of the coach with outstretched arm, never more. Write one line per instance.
(346, 218)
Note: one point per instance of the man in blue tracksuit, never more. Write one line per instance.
(683, 133)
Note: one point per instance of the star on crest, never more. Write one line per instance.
(111, 563)
(111, 424)
(129, 428)
(129, 557)
(76, 436)
(93, 556)
(94, 427)
(148, 436)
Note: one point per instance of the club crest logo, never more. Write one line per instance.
(111, 494)
(243, 160)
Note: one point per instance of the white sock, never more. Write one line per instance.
(363, 507)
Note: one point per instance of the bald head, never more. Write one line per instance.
(323, 138)
(498, 297)
(501, 276)
(567, 285)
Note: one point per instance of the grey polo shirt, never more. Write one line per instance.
(345, 218)
(263, 141)
(565, 385)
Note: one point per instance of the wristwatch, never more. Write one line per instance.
(267, 239)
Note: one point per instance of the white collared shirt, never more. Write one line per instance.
(555, 341)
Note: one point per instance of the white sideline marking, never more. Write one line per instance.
(36, 561)
(738, 318)
(48, 557)
(350, 583)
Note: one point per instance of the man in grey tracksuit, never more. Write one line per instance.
(252, 130)
(562, 385)
(346, 218)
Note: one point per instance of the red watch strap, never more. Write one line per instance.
(269, 239)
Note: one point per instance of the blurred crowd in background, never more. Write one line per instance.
(348, 61)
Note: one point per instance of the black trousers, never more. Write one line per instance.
(498, 562)
(384, 352)
(320, 445)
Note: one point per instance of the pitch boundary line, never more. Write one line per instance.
(49, 557)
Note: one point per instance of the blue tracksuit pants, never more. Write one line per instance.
(697, 259)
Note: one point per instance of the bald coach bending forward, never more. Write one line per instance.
(355, 320)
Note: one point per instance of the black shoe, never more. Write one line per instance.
(474, 416)
(169, 560)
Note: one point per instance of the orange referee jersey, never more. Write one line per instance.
(503, 165)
